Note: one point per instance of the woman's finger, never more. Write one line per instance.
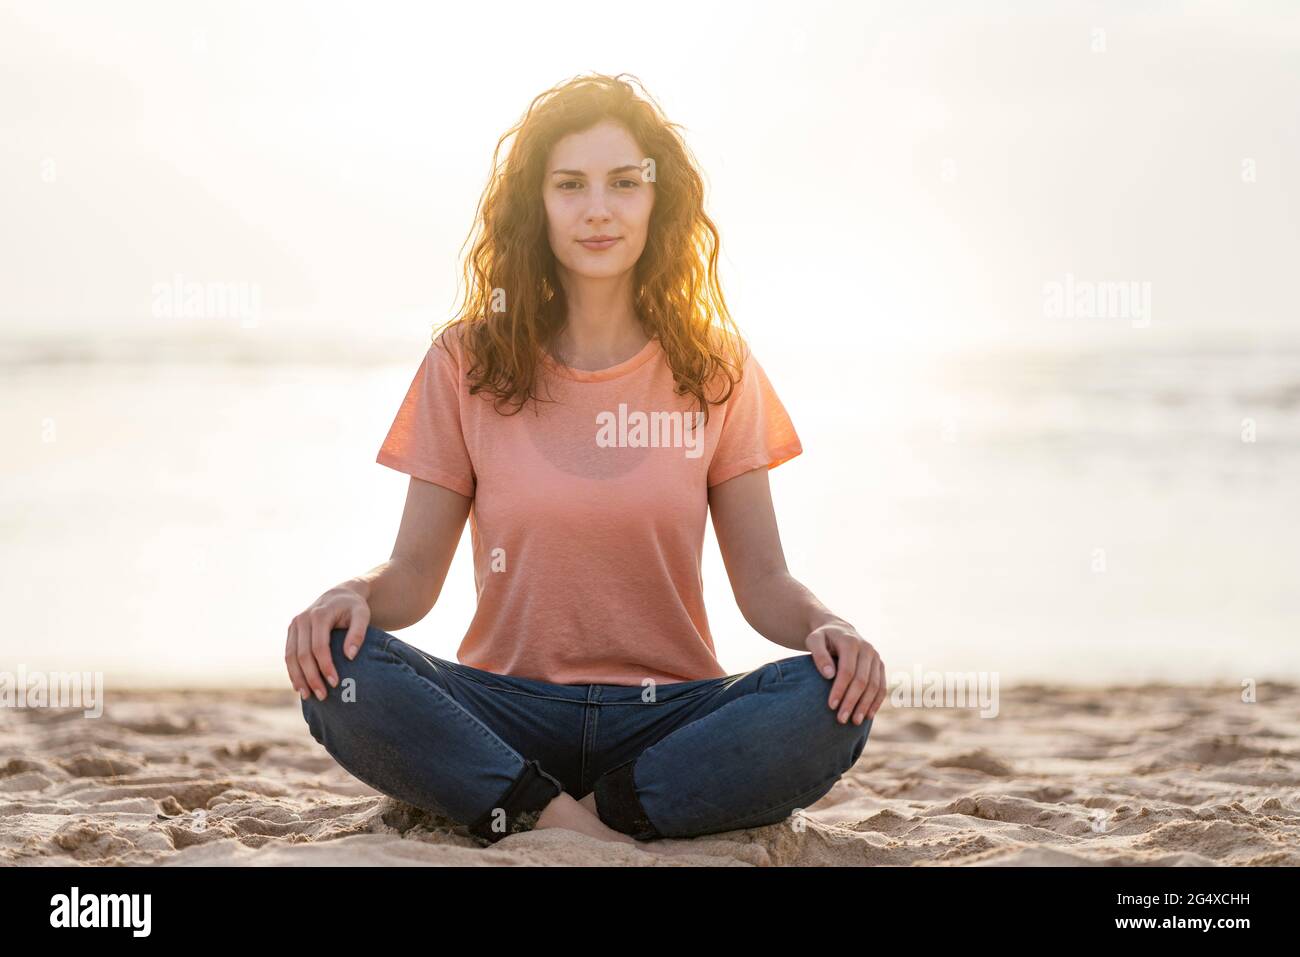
(881, 690)
(846, 673)
(867, 703)
(856, 699)
(867, 672)
(291, 661)
(816, 643)
(857, 689)
(360, 618)
(322, 623)
(307, 661)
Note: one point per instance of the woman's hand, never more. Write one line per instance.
(860, 675)
(307, 647)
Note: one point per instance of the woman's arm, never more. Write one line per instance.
(404, 589)
(393, 595)
(780, 608)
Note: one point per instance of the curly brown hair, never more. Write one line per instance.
(677, 295)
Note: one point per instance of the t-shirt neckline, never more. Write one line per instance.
(603, 375)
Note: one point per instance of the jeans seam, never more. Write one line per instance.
(595, 729)
(641, 704)
(527, 694)
(463, 671)
(545, 697)
(582, 748)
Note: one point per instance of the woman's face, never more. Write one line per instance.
(593, 187)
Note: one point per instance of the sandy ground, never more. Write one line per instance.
(1152, 775)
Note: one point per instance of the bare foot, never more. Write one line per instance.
(580, 816)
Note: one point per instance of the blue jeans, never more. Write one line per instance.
(490, 751)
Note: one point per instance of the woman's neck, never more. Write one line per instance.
(591, 343)
(602, 327)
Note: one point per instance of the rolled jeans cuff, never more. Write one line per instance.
(618, 806)
(520, 807)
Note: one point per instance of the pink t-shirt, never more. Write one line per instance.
(588, 516)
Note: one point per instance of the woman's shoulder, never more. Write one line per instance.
(732, 357)
(449, 342)
(728, 343)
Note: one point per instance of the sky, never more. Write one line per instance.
(901, 176)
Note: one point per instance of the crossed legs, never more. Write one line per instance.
(408, 725)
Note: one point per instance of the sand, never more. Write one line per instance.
(1150, 775)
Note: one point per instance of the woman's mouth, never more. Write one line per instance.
(600, 242)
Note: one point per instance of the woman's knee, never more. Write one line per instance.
(375, 640)
(801, 677)
(369, 667)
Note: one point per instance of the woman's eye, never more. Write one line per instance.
(573, 182)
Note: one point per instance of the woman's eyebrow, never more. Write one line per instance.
(578, 172)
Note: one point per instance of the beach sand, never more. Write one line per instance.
(1144, 775)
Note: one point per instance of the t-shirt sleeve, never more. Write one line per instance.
(426, 439)
(756, 431)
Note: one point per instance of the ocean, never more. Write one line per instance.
(1085, 516)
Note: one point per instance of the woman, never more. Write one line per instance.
(582, 411)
